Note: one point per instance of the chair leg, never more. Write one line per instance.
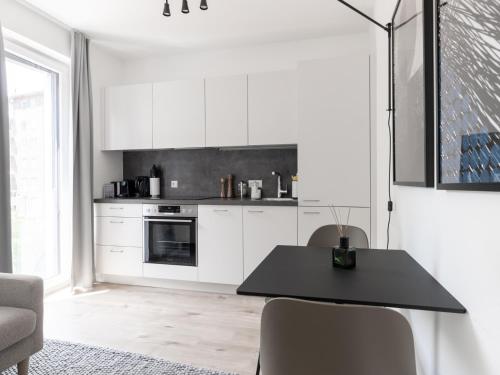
(23, 367)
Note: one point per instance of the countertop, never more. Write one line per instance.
(209, 201)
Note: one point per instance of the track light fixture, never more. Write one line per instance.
(185, 7)
(166, 9)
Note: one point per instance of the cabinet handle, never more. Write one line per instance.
(311, 213)
(220, 210)
(116, 208)
(116, 251)
(115, 222)
(255, 212)
(311, 200)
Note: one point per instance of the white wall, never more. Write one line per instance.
(27, 23)
(105, 70)
(268, 57)
(455, 236)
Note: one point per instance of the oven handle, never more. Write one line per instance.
(168, 221)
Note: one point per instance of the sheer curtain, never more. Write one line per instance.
(5, 225)
(82, 273)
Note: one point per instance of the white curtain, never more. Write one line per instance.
(5, 228)
(82, 273)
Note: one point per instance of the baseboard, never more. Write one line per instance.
(169, 284)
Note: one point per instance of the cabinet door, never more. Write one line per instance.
(118, 210)
(312, 218)
(123, 261)
(272, 108)
(226, 106)
(179, 114)
(334, 132)
(118, 231)
(263, 229)
(220, 244)
(128, 112)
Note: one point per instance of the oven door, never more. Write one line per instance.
(170, 241)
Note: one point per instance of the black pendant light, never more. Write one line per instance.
(185, 7)
(166, 9)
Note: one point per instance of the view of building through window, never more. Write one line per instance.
(33, 116)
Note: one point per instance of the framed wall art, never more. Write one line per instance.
(468, 66)
(413, 93)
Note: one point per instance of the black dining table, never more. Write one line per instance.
(390, 278)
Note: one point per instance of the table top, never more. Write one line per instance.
(390, 278)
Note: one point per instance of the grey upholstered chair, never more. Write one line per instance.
(21, 320)
(302, 337)
(328, 236)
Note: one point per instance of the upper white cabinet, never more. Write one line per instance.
(179, 114)
(312, 218)
(226, 111)
(220, 244)
(128, 117)
(263, 229)
(334, 132)
(272, 108)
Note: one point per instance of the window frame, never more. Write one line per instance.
(24, 52)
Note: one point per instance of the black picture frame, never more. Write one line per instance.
(428, 100)
(495, 186)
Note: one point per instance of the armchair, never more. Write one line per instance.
(21, 320)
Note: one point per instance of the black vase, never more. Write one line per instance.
(343, 256)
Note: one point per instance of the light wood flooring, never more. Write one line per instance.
(207, 330)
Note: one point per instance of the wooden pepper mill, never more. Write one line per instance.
(223, 187)
(229, 186)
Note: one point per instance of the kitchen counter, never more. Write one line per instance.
(209, 201)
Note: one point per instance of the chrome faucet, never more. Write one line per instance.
(280, 191)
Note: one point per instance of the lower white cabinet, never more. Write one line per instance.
(220, 244)
(123, 261)
(312, 218)
(118, 239)
(264, 229)
(118, 231)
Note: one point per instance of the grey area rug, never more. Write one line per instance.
(58, 357)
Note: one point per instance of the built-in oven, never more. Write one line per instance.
(170, 234)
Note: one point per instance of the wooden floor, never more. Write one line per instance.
(208, 330)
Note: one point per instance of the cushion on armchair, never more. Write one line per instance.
(15, 325)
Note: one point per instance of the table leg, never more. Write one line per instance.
(258, 366)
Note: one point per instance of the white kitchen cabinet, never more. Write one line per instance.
(263, 229)
(128, 117)
(312, 218)
(220, 244)
(334, 132)
(226, 111)
(272, 108)
(118, 231)
(179, 114)
(118, 239)
(118, 260)
(118, 210)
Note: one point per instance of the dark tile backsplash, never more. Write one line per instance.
(198, 171)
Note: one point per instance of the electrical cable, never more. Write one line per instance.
(389, 203)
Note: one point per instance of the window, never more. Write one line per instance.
(37, 174)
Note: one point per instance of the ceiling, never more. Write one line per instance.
(137, 28)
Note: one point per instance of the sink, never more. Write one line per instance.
(278, 199)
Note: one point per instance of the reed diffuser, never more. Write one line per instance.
(343, 255)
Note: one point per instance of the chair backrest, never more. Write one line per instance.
(302, 337)
(328, 236)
